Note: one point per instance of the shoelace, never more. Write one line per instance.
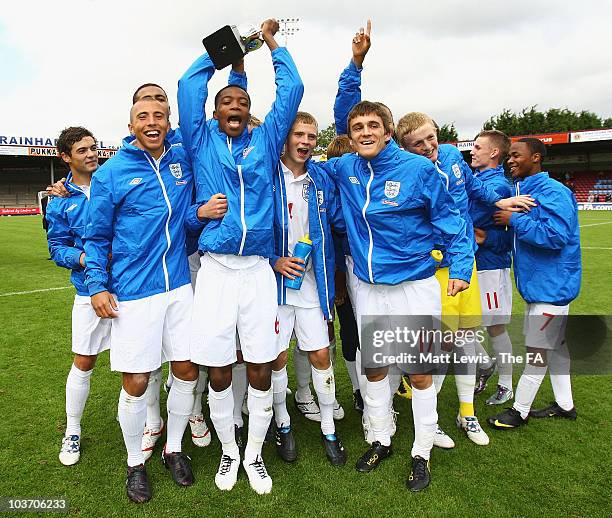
(136, 480)
(260, 468)
(472, 425)
(71, 443)
(226, 464)
(419, 470)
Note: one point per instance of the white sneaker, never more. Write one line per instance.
(441, 440)
(258, 476)
(200, 434)
(472, 428)
(368, 433)
(338, 411)
(149, 440)
(227, 474)
(70, 453)
(309, 409)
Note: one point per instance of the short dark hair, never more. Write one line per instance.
(369, 108)
(135, 96)
(69, 136)
(499, 140)
(340, 145)
(535, 146)
(231, 86)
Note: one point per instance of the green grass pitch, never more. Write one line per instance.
(552, 468)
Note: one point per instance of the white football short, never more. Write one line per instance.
(151, 331)
(90, 334)
(420, 297)
(544, 325)
(495, 296)
(227, 300)
(309, 324)
(413, 298)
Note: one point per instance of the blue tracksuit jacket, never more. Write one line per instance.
(547, 262)
(137, 211)
(66, 218)
(494, 253)
(323, 212)
(242, 168)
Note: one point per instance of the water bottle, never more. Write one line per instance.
(303, 249)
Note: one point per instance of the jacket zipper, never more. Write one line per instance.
(363, 213)
(155, 166)
(518, 191)
(281, 181)
(242, 217)
(316, 202)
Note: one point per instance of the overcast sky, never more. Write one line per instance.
(68, 62)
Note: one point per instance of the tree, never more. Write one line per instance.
(324, 138)
(448, 133)
(530, 121)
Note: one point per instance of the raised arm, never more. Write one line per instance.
(289, 92)
(238, 76)
(192, 95)
(349, 84)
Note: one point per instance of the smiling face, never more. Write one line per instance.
(300, 144)
(368, 135)
(232, 110)
(422, 141)
(522, 162)
(83, 157)
(483, 154)
(149, 124)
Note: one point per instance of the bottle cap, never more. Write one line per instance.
(437, 255)
(306, 239)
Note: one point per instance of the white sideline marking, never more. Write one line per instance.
(33, 291)
(596, 248)
(595, 224)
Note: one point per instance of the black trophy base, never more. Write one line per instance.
(224, 46)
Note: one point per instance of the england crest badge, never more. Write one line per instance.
(456, 170)
(176, 171)
(392, 189)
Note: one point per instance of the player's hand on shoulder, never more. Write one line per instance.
(58, 189)
(104, 305)
(215, 208)
(455, 286)
(289, 267)
(520, 203)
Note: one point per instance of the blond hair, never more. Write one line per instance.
(411, 122)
